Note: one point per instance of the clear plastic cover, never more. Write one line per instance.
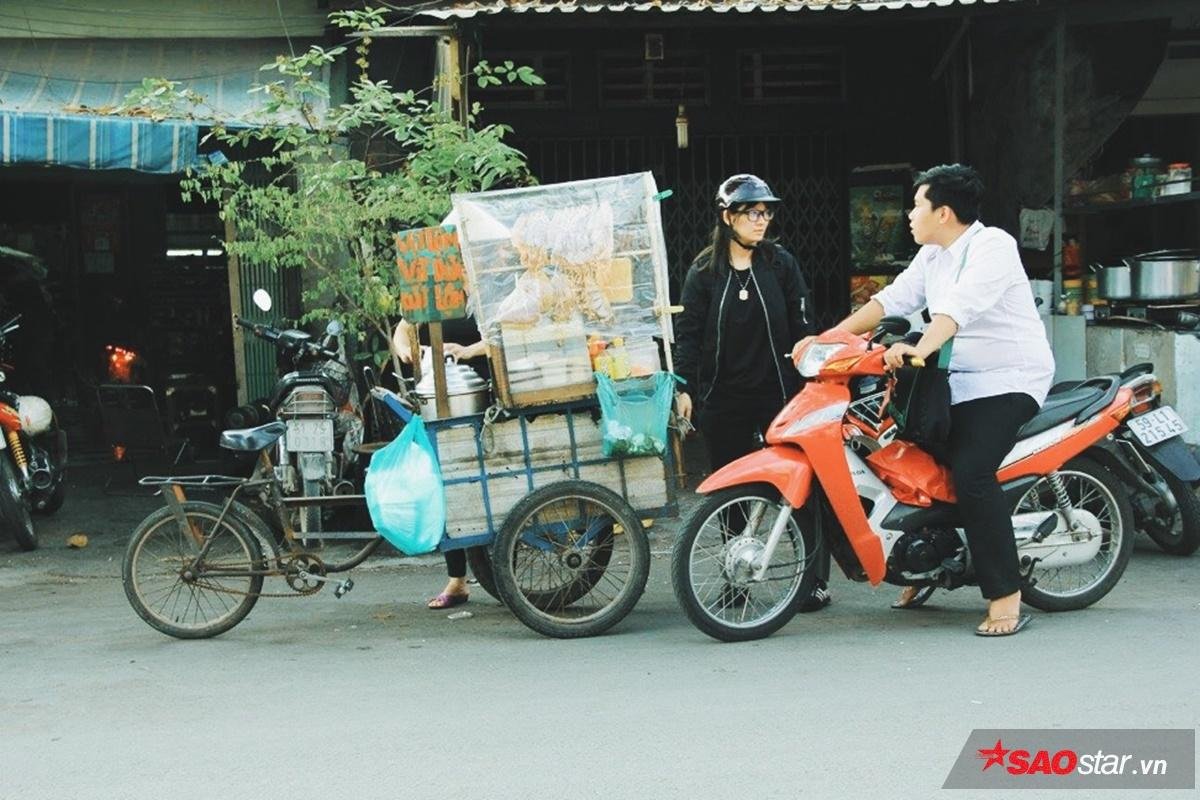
(583, 259)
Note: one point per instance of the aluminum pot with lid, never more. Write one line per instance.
(1115, 282)
(466, 390)
(1165, 275)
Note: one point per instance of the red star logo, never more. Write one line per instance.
(994, 756)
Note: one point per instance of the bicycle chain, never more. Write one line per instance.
(285, 561)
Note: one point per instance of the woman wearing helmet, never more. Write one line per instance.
(745, 307)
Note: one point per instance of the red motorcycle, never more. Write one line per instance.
(33, 457)
(745, 558)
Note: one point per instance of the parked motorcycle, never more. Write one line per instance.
(1159, 472)
(33, 464)
(318, 400)
(745, 557)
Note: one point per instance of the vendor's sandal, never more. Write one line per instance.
(916, 599)
(1022, 621)
(445, 600)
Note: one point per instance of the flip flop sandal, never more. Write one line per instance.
(445, 600)
(918, 599)
(1022, 621)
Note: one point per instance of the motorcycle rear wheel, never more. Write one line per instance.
(1093, 488)
(1179, 536)
(718, 603)
(14, 508)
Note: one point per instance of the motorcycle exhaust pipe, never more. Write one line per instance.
(41, 479)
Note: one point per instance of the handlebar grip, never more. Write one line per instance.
(915, 361)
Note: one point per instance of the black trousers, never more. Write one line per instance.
(982, 432)
(456, 563)
(732, 430)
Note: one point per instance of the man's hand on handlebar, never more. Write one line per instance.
(895, 355)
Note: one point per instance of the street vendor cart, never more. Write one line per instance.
(547, 490)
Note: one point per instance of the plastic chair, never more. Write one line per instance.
(132, 426)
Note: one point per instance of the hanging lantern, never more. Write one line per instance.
(681, 128)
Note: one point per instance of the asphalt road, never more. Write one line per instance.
(372, 696)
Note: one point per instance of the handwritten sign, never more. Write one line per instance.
(432, 279)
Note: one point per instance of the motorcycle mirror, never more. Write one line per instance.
(334, 328)
(262, 299)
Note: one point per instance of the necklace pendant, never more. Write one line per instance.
(743, 295)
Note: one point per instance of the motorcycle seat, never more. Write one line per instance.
(252, 439)
(1081, 402)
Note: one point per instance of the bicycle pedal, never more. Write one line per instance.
(343, 587)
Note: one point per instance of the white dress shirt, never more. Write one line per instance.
(1001, 343)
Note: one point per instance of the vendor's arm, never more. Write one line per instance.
(401, 342)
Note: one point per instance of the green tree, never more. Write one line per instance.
(330, 193)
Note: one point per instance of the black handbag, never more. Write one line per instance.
(919, 402)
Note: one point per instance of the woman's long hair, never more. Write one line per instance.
(716, 255)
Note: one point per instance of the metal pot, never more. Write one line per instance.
(1165, 275)
(1114, 283)
(466, 390)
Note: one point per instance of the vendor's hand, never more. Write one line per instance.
(895, 355)
(683, 405)
(464, 352)
(798, 348)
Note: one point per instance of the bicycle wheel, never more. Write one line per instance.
(564, 566)
(197, 605)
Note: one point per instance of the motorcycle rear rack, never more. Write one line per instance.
(193, 481)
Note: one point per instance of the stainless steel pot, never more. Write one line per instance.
(1165, 275)
(1114, 283)
(465, 389)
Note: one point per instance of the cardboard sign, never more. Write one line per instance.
(432, 279)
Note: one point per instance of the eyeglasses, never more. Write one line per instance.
(754, 215)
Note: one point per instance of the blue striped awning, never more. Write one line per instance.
(95, 142)
(61, 99)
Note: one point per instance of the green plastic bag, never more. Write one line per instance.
(405, 493)
(634, 414)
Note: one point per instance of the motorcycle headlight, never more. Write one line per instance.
(831, 413)
(815, 356)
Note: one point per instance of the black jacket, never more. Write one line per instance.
(788, 307)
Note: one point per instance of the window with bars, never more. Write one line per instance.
(628, 79)
(793, 75)
(552, 67)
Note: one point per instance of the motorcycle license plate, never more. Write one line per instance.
(1157, 426)
(309, 435)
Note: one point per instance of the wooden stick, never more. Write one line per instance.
(439, 370)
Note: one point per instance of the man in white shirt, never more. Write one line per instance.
(971, 279)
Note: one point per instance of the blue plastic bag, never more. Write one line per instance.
(405, 493)
(634, 414)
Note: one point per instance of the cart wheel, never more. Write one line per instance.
(571, 559)
(480, 559)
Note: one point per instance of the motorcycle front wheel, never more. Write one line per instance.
(714, 557)
(1091, 488)
(14, 509)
